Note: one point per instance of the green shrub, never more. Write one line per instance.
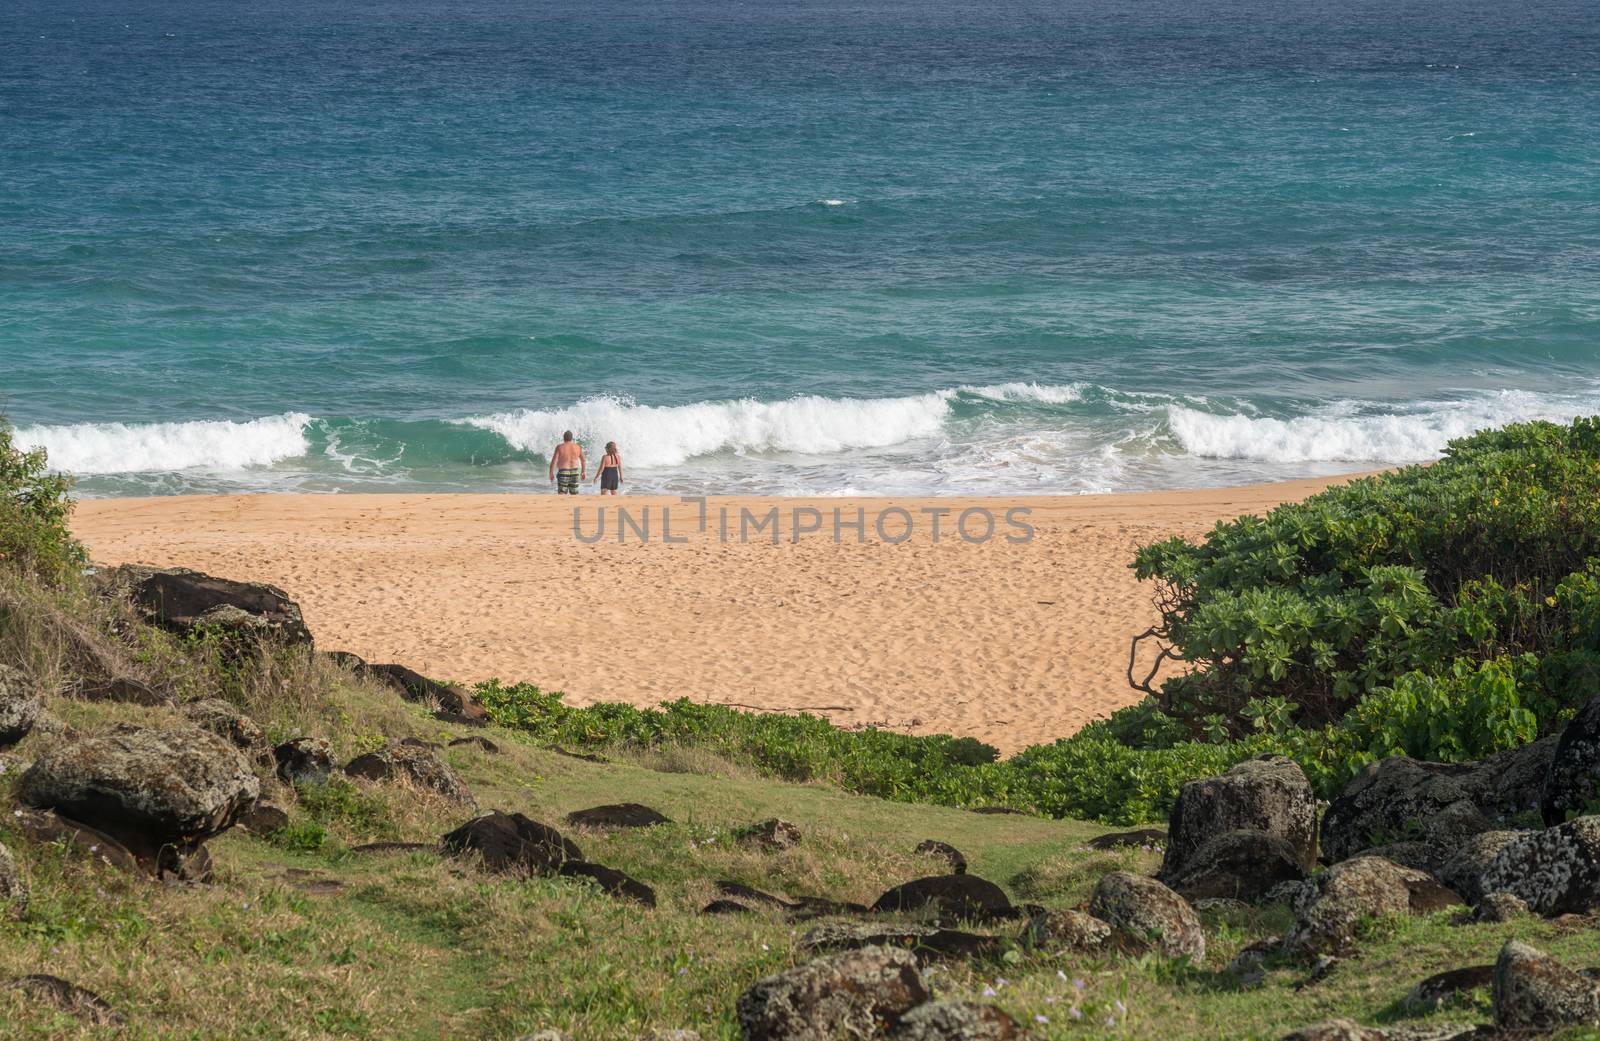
(1488, 554)
(34, 507)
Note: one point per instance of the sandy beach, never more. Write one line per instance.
(1011, 639)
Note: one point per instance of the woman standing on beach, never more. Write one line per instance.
(610, 475)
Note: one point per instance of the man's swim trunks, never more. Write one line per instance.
(567, 480)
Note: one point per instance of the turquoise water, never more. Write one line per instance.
(811, 247)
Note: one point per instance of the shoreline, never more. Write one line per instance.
(1013, 641)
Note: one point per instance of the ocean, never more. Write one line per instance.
(812, 247)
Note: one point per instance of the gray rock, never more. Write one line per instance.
(1555, 871)
(1058, 931)
(181, 599)
(509, 843)
(1336, 1030)
(1147, 910)
(854, 993)
(1572, 782)
(1532, 990)
(416, 764)
(13, 889)
(617, 815)
(1268, 794)
(227, 722)
(1353, 890)
(1464, 868)
(1500, 907)
(20, 705)
(147, 788)
(1441, 988)
(1243, 865)
(773, 834)
(965, 896)
(1398, 798)
(925, 941)
(264, 818)
(955, 1021)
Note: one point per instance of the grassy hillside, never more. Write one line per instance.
(300, 938)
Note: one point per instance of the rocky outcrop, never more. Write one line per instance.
(509, 843)
(1356, 889)
(74, 1000)
(304, 760)
(952, 857)
(182, 600)
(955, 1021)
(228, 723)
(1146, 910)
(1066, 932)
(20, 705)
(149, 789)
(617, 815)
(1243, 865)
(854, 993)
(962, 896)
(1534, 991)
(610, 880)
(1400, 798)
(1572, 782)
(772, 834)
(1268, 794)
(1555, 871)
(415, 763)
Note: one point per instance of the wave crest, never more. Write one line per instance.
(113, 448)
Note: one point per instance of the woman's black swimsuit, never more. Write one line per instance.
(608, 479)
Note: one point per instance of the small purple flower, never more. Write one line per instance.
(1041, 1019)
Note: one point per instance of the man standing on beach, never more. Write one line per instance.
(568, 468)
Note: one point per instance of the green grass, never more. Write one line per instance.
(416, 946)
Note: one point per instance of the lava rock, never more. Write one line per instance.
(946, 852)
(1572, 781)
(1140, 837)
(79, 839)
(926, 942)
(149, 789)
(1356, 889)
(304, 760)
(1533, 990)
(1147, 910)
(418, 764)
(181, 600)
(1398, 796)
(610, 880)
(1267, 794)
(1243, 865)
(955, 1021)
(231, 725)
(1066, 931)
(1463, 869)
(20, 705)
(617, 815)
(1500, 907)
(726, 907)
(1336, 1030)
(853, 993)
(510, 843)
(264, 818)
(82, 1004)
(483, 744)
(964, 896)
(455, 704)
(773, 834)
(1555, 871)
(1441, 988)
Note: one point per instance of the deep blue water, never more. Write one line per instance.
(808, 246)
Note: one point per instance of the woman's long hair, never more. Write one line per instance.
(611, 450)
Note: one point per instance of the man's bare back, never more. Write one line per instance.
(568, 467)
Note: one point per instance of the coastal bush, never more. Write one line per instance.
(1366, 590)
(34, 507)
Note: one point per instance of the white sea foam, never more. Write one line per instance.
(112, 448)
(669, 435)
(1349, 431)
(1046, 394)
